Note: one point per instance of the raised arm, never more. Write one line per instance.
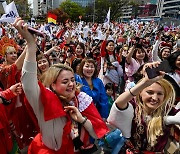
(129, 56)
(155, 56)
(31, 44)
(20, 60)
(124, 98)
(29, 71)
(54, 48)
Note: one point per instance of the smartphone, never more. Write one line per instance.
(36, 32)
(154, 72)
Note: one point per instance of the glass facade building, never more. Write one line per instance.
(171, 8)
(83, 3)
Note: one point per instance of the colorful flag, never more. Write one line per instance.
(10, 13)
(52, 18)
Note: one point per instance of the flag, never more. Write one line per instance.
(107, 20)
(10, 12)
(52, 18)
(80, 17)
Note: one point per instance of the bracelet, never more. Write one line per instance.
(84, 121)
(131, 92)
(4, 101)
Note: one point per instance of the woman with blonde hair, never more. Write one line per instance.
(147, 110)
(66, 117)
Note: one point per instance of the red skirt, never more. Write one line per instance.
(37, 147)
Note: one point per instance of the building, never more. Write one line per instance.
(147, 10)
(84, 3)
(153, 1)
(130, 11)
(127, 12)
(168, 8)
(36, 8)
(41, 7)
(171, 8)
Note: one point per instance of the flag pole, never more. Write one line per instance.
(94, 12)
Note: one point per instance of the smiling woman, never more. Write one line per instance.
(147, 110)
(93, 86)
(66, 116)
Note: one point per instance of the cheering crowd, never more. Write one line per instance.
(78, 87)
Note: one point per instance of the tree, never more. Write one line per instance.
(23, 7)
(102, 7)
(73, 9)
(61, 15)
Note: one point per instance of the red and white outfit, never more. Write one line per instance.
(54, 122)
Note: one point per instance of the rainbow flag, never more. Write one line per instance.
(52, 18)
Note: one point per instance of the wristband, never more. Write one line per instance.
(5, 102)
(131, 92)
(84, 121)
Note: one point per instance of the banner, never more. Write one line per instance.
(10, 12)
(52, 18)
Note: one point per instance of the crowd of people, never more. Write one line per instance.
(66, 90)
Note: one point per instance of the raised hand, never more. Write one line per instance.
(16, 89)
(152, 65)
(23, 30)
(74, 113)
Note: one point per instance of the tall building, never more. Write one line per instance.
(171, 8)
(41, 7)
(153, 1)
(84, 3)
(127, 12)
(36, 7)
(168, 8)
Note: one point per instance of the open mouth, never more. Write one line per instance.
(89, 73)
(70, 90)
(14, 59)
(43, 67)
(153, 102)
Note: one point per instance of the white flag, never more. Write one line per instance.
(107, 20)
(10, 13)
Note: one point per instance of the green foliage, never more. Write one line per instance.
(102, 7)
(73, 9)
(22, 7)
(61, 15)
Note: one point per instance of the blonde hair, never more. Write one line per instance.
(155, 125)
(9, 48)
(51, 75)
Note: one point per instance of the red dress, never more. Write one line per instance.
(17, 113)
(5, 134)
